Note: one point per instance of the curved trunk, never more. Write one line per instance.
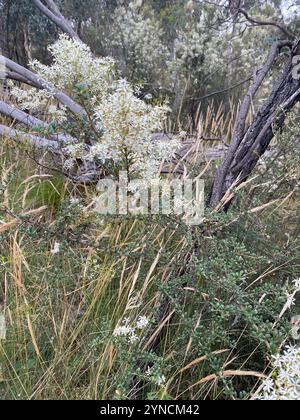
(249, 145)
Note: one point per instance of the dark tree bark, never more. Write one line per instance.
(249, 145)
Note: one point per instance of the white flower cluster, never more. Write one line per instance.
(297, 285)
(195, 51)
(285, 383)
(75, 65)
(127, 124)
(121, 124)
(31, 99)
(140, 40)
(39, 101)
(196, 55)
(131, 332)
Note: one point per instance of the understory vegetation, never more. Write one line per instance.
(147, 307)
(71, 277)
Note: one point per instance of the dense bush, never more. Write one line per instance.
(125, 308)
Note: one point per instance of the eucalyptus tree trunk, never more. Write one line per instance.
(249, 144)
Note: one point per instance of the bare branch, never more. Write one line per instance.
(256, 22)
(30, 121)
(241, 121)
(56, 17)
(20, 116)
(53, 7)
(219, 92)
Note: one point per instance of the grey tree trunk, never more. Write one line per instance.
(250, 144)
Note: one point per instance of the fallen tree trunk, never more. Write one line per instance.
(20, 116)
(53, 13)
(21, 79)
(30, 139)
(32, 122)
(39, 83)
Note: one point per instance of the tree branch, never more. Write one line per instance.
(267, 23)
(20, 116)
(53, 7)
(219, 92)
(36, 80)
(56, 17)
(19, 78)
(35, 141)
(30, 121)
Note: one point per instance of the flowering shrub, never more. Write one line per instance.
(285, 381)
(138, 41)
(131, 332)
(127, 124)
(118, 130)
(155, 376)
(195, 52)
(75, 66)
(86, 274)
(128, 339)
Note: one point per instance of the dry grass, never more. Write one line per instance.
(61, 310)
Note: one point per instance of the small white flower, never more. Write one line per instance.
(297, 285)
(142, 322)
(69, 164)
(123, 331)
(268, 386)
(156, 378)
(133, 338)
(56, 248)
(160, 380)
(74, 201)
(286, 386)
(290, 301)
